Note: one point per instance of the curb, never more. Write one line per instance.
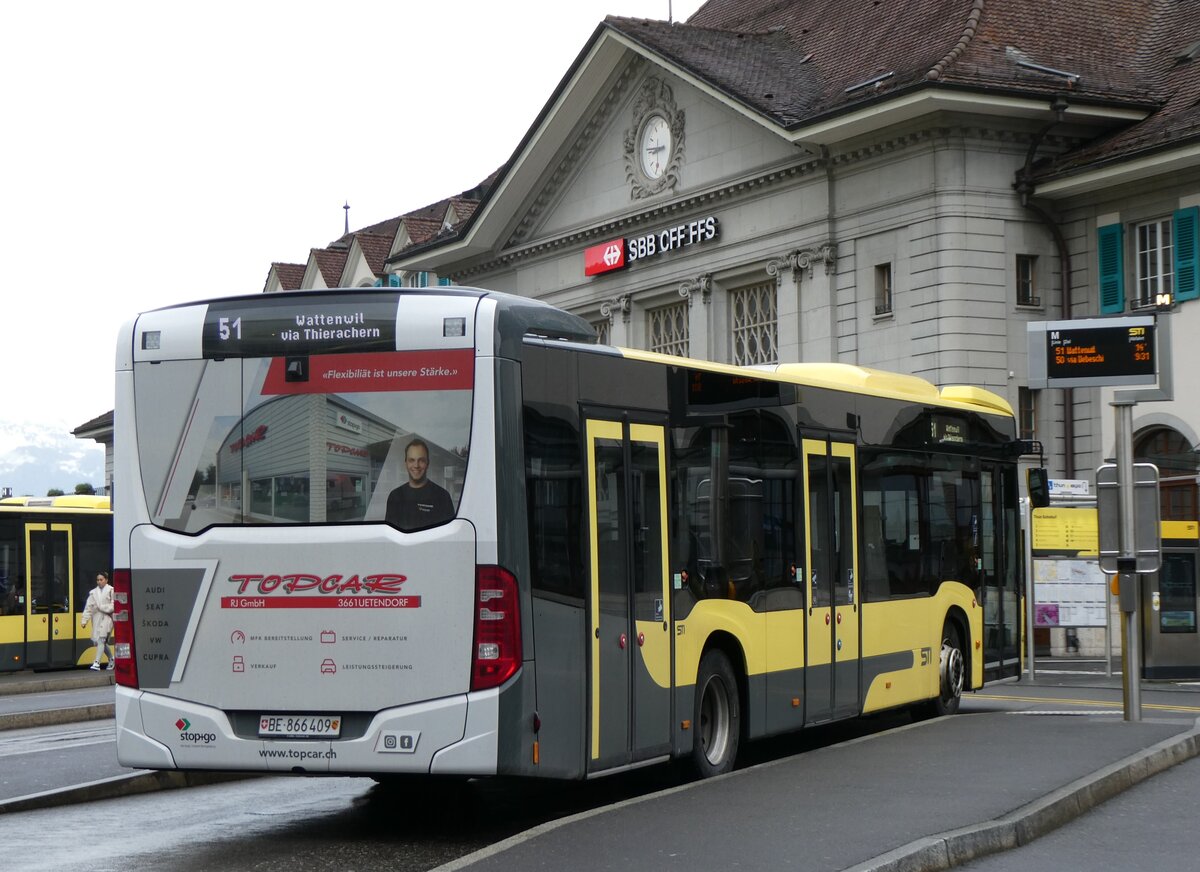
(50, 685)
(1020, 827)
(142, 781)
(52, 717)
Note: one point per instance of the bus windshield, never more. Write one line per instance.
(370, 437)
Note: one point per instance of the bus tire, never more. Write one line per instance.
(717, 716)
(951, 672)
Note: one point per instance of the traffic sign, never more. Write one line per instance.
(1146, 546)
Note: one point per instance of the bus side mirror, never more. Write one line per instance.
(1039, 488)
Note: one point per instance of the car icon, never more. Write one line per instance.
(328, 667)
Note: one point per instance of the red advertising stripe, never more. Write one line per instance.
(449, 370)
(376, 601)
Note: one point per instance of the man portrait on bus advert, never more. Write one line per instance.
(420, 503)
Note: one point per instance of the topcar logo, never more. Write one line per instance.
(187, 734)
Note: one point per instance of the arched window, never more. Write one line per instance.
(1177, 466)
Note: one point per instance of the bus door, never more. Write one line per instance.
(630, 641)
(832, 663)
(999, 575)
(49, 612)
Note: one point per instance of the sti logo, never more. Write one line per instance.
(183, 725)
(605, 257)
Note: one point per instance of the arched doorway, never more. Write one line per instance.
(1177, 463)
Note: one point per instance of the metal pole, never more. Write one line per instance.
(1126, 564)
(1107, 631)
(1027, 526)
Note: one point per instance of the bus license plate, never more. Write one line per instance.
(299, 726)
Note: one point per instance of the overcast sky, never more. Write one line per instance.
(156, 153)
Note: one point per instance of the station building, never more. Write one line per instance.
(893, 185)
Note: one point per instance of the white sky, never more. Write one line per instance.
(156, 153)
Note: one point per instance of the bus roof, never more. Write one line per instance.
(88, 502)
(851, 378)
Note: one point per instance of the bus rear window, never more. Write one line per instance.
(346, 438)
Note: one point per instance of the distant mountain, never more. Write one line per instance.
(37, 457)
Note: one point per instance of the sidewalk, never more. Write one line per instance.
(922, 797)
(36, 699)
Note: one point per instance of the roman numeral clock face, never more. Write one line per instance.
(655, 145)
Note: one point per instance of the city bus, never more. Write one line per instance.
(445, 532)
(50, 551)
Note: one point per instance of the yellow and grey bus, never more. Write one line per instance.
(50, 551)
(445, 532)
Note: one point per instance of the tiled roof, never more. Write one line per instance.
(375, 248)
(88, 429)
(331, 262)
(421, 229)
(821, 48)
(291, 275)
(807, 53)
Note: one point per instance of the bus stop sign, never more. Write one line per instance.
(1146, 545)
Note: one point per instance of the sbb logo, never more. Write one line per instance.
(605, 257)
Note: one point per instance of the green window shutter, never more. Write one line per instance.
(1112, 268)
(1187, 243)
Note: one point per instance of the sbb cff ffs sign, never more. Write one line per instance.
(619, 253)
(1092, 352)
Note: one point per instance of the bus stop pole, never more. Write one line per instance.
(1127, 564)
(1027, 529)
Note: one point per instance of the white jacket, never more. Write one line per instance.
(99, 610)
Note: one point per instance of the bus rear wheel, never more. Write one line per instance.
(717, 716)
(951, 672)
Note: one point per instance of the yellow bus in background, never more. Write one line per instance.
(50, 551)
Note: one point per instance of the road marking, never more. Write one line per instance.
(1084, 702)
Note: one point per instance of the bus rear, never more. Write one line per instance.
(308, 577)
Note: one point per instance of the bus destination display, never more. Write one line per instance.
(1094, 352)
(287, 325)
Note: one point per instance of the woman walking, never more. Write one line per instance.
(99, 611)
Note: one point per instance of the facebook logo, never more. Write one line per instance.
(398, 742)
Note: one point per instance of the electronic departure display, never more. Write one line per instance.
(1093, 352)
(291, 325)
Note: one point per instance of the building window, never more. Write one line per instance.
(1026, 413)
(883, 289)
(602, 328)
(1178, 464)
(667, 329)
(1155, 262)
(755, 326)
(1027, 291)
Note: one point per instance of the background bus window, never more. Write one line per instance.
(93, 550)
(11, 573)
(1177, 594)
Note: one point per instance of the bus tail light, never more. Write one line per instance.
(126, 671)
(497, 649)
